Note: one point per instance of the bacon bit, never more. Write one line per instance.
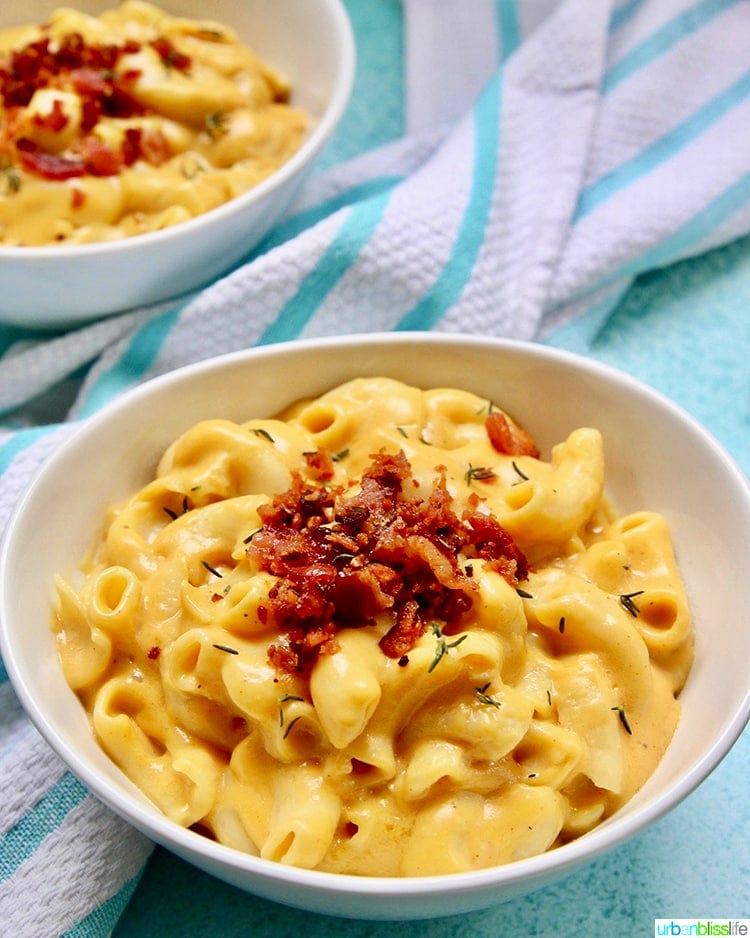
(153, 653)
(154, 146)
(77, 198)
(508, 438)
(90, 71)
(88, 82)
(55, 120)
(169, 55)
(99, 158)
(343, 559)
(496, 547)
(48, 165)
(131, 145)
(320, 464)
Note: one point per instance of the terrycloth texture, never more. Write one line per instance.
(555, 152)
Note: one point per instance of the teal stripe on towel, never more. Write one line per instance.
(133, 365)
(455, 274)
(510, 29)
(20, 440)
(664, 39)
(663, 149)
(688, 238)
(696, 230)
(622, 14)
(305, 219)
(354, 234)
(22, 840)
(103, 919)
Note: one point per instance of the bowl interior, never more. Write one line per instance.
(657, 458)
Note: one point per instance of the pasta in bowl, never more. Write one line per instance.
(132, 121)
(145, 149)
(392, 639)
(379, 635)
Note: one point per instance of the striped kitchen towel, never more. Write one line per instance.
(552, 150)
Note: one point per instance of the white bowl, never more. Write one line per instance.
(312, 44)
(657, 458)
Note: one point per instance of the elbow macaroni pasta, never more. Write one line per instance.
(523, 727)
(97, 145)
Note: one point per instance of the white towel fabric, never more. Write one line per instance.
(555, 150)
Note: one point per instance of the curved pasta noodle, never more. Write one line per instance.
(547, 509)
(114, 597)
(179, 775)
(365, 637)
(84, 650)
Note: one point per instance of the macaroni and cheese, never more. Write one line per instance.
(132, 121)
(380, 635)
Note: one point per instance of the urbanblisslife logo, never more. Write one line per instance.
(706, 927)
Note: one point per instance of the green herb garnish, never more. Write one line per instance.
(227, 649)
(623, 720)
(485, 698)
(627, 602)
(522, 475)
(442, 646)
(479, 474)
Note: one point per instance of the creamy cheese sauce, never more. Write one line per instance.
(130, 122)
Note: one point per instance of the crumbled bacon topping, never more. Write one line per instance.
(344, 556)
(91, 72)
(508, 438)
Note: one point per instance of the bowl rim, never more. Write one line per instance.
(312, 144)
(608, 835)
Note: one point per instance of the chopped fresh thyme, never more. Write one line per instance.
(403, 432)
(211, 569)
(479, 474)
(623, 720)
(561, 625)
(627, 601)
(173, 514)
(286, 699)
(442, 646)
(522, 475)
(11, 179)
(485, 698)
(216, 124)
(289, 726)
(523, 594)
(227, 649)
(259, 431)
(190, 167)
(342, 454)
(251, 535)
